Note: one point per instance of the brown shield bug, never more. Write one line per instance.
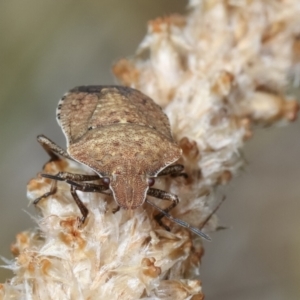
(125, 138)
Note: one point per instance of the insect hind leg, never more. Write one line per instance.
(52, 149)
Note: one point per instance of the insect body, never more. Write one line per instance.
(124, 137)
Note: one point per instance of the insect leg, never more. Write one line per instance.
(52, 149)
(180, 222)
(63, 176)
(164, 196)
(85, 187)
(84, 211)
(52, 191)
(88, 187)
(173, 170)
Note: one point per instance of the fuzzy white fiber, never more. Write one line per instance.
(216, 71)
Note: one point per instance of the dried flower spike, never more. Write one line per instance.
(216, 72)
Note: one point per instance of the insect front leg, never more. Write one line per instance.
(84, 187)
(52, 191)
(173, 170)
(160, 194)
(83, 209)
(165, 212)
(180, 222)
(52, 149)
(64, 176)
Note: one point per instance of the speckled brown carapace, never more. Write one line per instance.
(121, 134)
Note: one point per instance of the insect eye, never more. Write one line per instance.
(151, 181)
(106, 180)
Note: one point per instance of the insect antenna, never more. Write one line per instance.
(212, 213)
(54, 177)
(181, 222)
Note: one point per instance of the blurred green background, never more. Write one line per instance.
(48, 47)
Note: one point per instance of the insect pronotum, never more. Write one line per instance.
(125, 138)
